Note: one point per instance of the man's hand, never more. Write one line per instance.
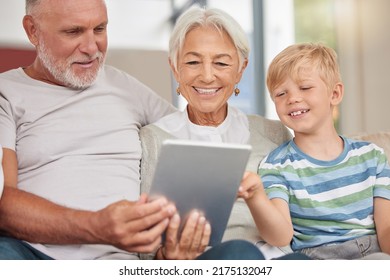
(134, 226)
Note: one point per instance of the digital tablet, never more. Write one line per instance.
(203, 176)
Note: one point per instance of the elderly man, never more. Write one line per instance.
(71, 152)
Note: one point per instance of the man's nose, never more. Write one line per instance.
(89, 43)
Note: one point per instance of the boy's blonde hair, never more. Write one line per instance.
(295, 58)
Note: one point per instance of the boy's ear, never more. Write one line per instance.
(337, 94)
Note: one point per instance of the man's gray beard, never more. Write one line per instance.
(63, 72)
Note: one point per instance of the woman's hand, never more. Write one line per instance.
(190, 243)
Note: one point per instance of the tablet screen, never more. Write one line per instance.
(203, 176)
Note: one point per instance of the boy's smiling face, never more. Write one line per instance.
(306, 104)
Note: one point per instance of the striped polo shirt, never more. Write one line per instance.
(329, 201)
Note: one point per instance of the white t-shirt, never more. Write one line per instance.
(1, 172)
(234, 129)
(78, 148)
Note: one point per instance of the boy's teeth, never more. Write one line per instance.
(297, 113)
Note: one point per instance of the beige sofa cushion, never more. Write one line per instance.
(382, 139)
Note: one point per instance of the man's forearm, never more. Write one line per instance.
(34, 219)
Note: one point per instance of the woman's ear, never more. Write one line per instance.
(31, 29)
(174, 71)
(241, 71)
(337, 94)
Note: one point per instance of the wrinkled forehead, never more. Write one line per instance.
(68, 7)
(72, 14)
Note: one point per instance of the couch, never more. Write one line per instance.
(1, 172)
(241, 224)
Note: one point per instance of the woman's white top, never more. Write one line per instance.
(234, 129)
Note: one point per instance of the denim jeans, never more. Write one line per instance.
(242, 250)
(14, 249)
(359, 248)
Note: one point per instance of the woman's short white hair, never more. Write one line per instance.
(196, 17)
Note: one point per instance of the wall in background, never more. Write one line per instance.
(13, 58)
(364, 55)
(363, 44)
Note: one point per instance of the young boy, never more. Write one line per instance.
(326, 195)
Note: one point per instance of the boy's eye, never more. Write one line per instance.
(279, 94)
(305, 88)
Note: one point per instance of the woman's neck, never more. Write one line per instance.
(207, 119)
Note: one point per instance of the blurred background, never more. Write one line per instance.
(139, 33)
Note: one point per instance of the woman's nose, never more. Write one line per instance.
(208, 74)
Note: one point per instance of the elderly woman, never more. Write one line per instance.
(208, 53)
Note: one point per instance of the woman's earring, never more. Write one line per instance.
(178, 90)
(236, 91)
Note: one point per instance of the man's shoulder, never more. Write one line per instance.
(10, 74)
(112, 75)
(112, 71)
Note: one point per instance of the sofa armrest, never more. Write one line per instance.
(382, 139)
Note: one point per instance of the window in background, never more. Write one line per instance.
(271, 25)
(315, 22)
(290, 21)
(278, 32)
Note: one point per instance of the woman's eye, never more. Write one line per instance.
(222, 64)
(194, 62)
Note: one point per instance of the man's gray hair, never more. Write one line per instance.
(195, 17)
(31, 5)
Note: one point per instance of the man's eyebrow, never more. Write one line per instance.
(80, 27)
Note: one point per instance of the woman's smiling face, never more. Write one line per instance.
(208, 70)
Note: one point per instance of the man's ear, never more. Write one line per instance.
(337, 94)
(31, 29)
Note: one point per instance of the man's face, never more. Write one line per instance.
(72, 41)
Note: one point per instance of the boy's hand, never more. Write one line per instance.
(250, 184)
